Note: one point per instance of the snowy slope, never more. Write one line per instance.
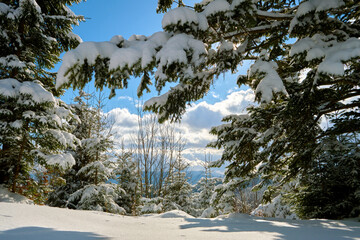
(7, 196)
(31, 222)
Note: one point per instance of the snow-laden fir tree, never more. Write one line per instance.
(96, 167)
(202, 199)
(224, 199)
(34, 125)
(98, 193)
(331, 188)
(203, 192)
(84, 124)
(126, 174)
(305, 69)
(87, 182)
(178, 189)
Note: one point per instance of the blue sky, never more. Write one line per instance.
(105, 19)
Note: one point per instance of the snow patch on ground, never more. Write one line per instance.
(175, 214)
(9, 197)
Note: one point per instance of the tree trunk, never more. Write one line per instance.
(18, 162)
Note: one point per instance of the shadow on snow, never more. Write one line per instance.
(283, 229)
(40, 233)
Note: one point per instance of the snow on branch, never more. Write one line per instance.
(12, 88)
(333, 53)
(185, 16)
(270, 80)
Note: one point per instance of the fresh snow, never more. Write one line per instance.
(12, 88)
(86, 50)
(64, 161)
(275, 209)
(215, 7)
(33, 222)
(9, 197)
(314, 5)
(318, 6)
(333, 53)
(183, 15)
(271, 82)
(174, 214)
(176, 51)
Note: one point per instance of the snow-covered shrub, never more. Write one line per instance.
(178, 194)
(127, 178)
(201, 200)
(151, 205)
(209, 212)
(277, 208)
(99, 198)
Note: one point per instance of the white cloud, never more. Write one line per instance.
(234, 89)
(195, 125)
(214, 95)
(205, 115)
(124, 124)
(126, 98)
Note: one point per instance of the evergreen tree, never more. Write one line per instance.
(331, 188)
(298, 84)
(178, 194)
(205, 189)
(202, 199)
(224, 199)
(34, 125)
(87, 183)
(127, 177)
(178, 189)
(100, 197)
(96, 167)
(83, 124)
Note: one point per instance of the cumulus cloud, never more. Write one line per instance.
(195, 126)
(124, 124)
(205, 115)
(202, 115)
(234, 89)
(122, 117)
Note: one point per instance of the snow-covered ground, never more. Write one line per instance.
(32, 222)
(20, 220)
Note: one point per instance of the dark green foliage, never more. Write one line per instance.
(164, 5)
(332, 187)
(127, 179)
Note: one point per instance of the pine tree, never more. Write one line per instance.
(84, 123)
(297, 84)
(205, 189)
(202, 199)
(331, 188)
(127, 178)
(88, 184)
(224, 199)
(98, 192)
(34, 125)
(178, 189)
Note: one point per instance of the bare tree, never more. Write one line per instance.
(157, 147)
